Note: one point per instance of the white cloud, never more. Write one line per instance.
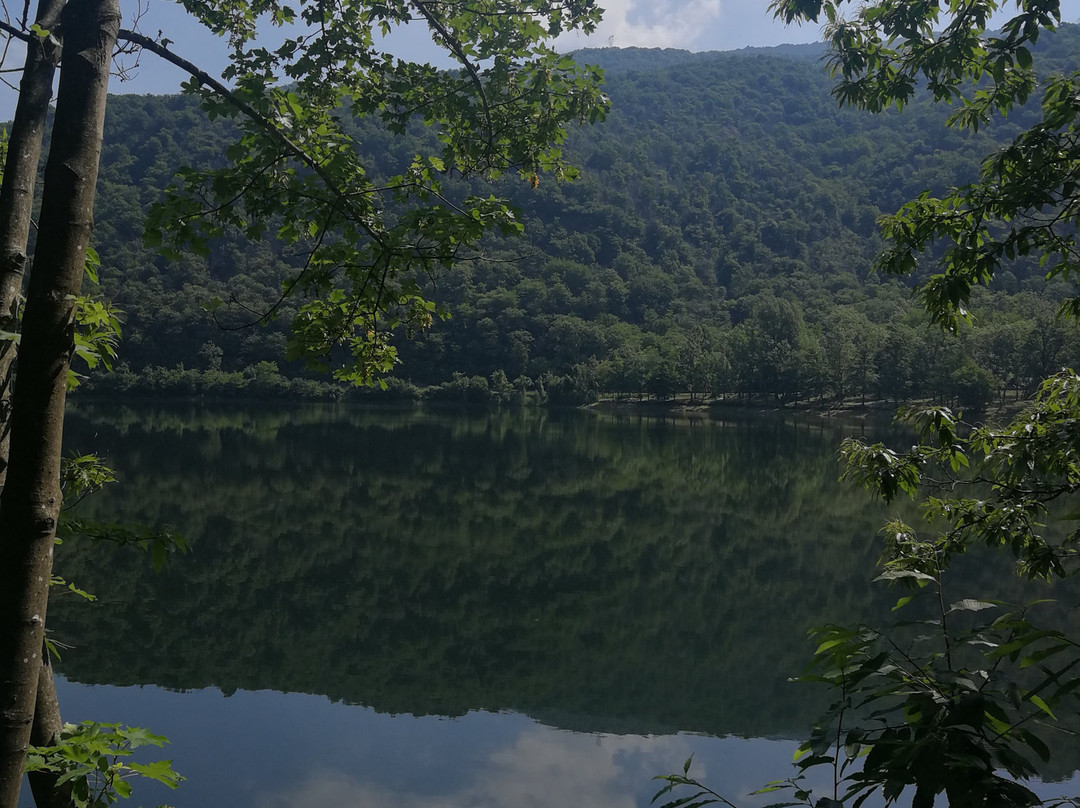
(652, 24)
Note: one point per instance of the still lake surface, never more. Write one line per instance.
(441, 610)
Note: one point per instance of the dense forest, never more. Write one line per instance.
(719, 240)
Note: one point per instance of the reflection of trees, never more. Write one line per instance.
(633, 575)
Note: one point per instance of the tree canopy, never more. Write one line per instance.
(292, 173)
(958, 709)
(1024, 201)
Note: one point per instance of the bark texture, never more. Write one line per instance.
(17, 195)
(30, 503)
(45, 732)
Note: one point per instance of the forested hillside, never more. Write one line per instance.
(719, 239)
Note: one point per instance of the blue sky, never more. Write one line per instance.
(690, 24)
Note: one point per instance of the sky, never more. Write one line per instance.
(689, 24)
(696, 25)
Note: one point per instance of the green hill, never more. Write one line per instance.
(719, 239)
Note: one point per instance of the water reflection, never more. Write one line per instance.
(525, 573)
(595, 574)
(272, 750)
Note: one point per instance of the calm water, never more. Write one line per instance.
(430, 610)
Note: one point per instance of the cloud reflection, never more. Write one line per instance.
(543, 768)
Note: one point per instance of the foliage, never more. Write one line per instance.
(1010, 487)
(951, 704)
(955, 709)
(97, 326)
(366, 242)
(294, 172)
(701, 794)
(1024, 201)
(92, 760)
(940, 704)
(983, 485)
(83, 475)
(992, 486)
(159, 543)
(96, 338)
(717, 184)
(461, 389)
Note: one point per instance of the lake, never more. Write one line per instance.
(431, 609)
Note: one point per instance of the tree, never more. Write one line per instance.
(775, 336)
(952, 720)
(30, 503)
(1025, 199)
(367, 242)
(1024, 202)
(694, 360)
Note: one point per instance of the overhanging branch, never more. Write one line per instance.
(264, 123)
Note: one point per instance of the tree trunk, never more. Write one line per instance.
(30, 503)
(46, 732)
(17, 196)
(16, 208)
(16, 204)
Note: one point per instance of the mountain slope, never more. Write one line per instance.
(722, 187)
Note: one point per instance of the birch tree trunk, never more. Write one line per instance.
(30, 503)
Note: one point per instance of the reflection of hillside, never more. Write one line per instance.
(593, 573)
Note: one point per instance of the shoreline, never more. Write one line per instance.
(847, 410)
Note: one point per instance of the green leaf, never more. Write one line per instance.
(1042, 705)
(900, 575)
(92, 265)
(970, 605)
(161, 771)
